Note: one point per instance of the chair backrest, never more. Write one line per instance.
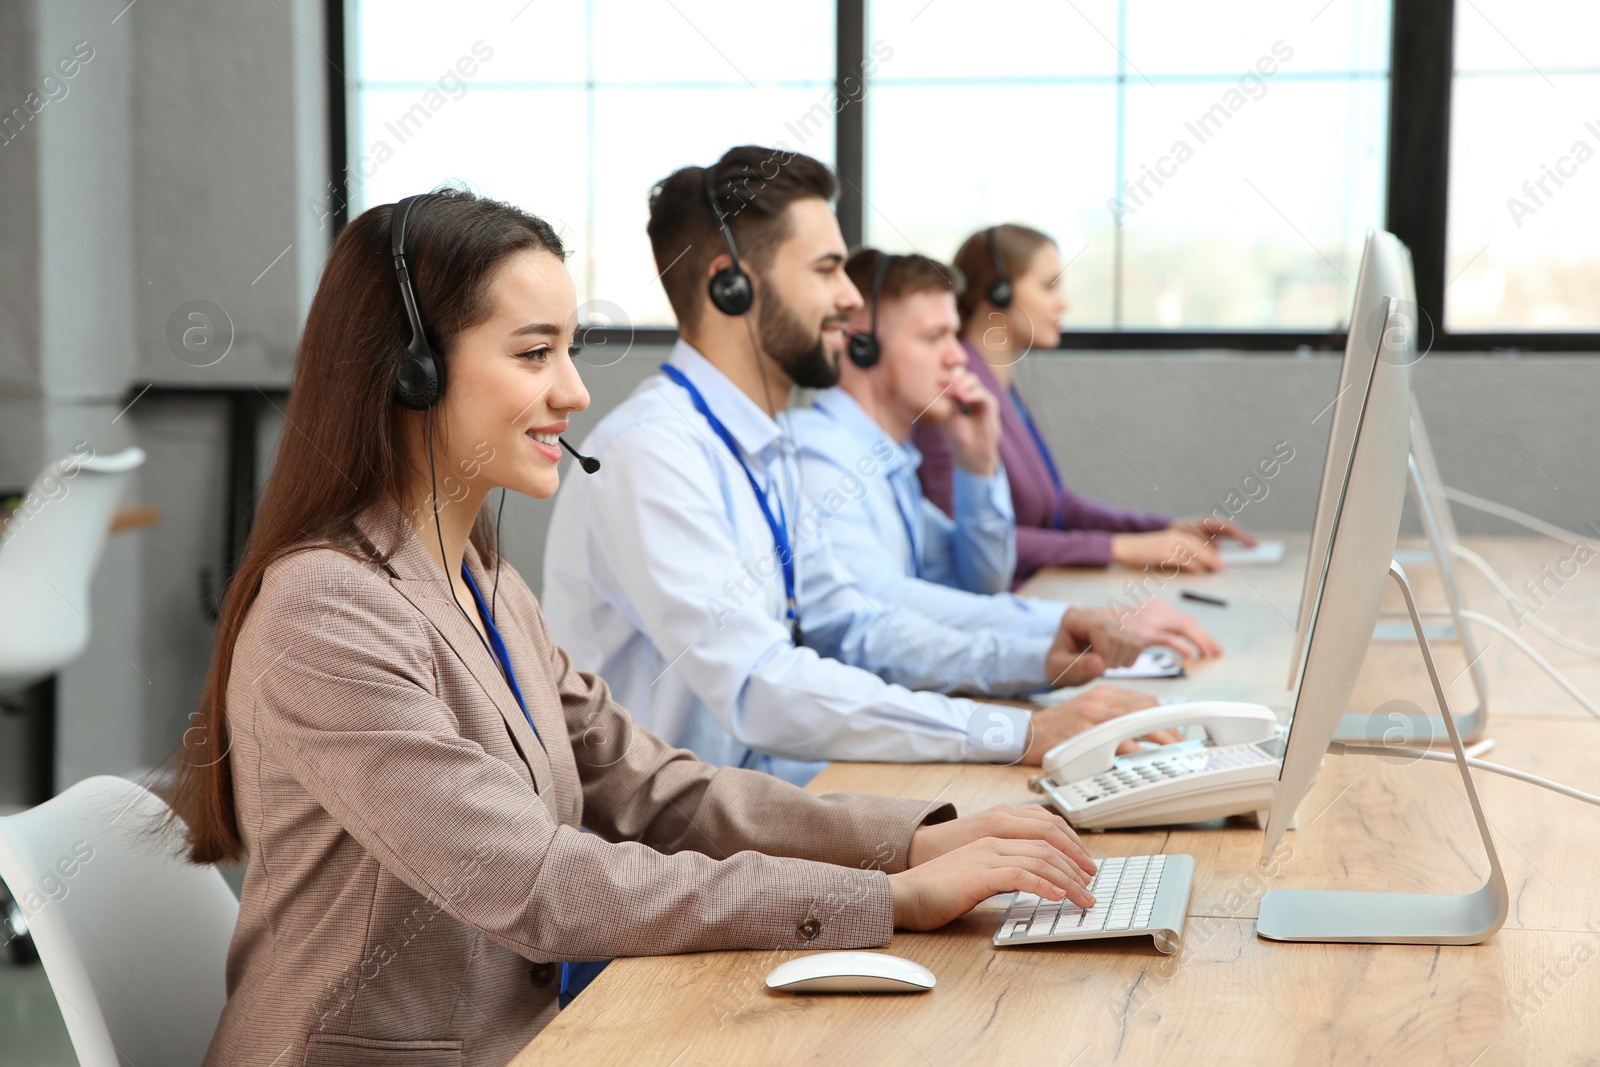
(133, 939)
(48, 554)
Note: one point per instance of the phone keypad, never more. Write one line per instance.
(1126, 776)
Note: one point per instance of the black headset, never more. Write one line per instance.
(420, 381)
(864, 349)
(999, 290)
(731, 291)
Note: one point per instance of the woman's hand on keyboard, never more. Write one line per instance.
(933, 893)
(1022, 822)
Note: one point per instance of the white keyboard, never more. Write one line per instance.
(1134, 895)
(1264, 553)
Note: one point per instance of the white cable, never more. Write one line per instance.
(1476, 764)
(1521, 518)
(1544, 664)
(1483, 567)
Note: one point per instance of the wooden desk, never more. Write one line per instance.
(1526, 997)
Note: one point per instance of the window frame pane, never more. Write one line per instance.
(1422, 67)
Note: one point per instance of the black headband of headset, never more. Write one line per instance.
(884, 259)
(994, 254)
(397, 244)
(716, 211)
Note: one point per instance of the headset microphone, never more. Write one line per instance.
(589, 464)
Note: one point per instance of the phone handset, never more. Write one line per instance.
(1091, 752)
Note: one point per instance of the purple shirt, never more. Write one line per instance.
(1083, 538)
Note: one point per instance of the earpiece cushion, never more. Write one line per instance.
(731, 293)
(863, 350)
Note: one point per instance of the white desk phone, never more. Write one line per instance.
(1231, 771)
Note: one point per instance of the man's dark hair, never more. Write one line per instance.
(907, 274)
(754, 186)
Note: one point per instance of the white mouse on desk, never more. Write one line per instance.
(851, 972)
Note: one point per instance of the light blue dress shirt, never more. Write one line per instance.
(660, 576)
(957, 572)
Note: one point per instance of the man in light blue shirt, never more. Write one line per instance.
(905, 364)
(672, 572)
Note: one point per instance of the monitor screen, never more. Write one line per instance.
(1385, 273)
(1365, 503)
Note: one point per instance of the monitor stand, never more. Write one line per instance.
(1356, 727)
(1398, 918)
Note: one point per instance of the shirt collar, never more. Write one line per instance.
(753, 428)
(846, 410)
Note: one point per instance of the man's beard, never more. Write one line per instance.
(800, 352)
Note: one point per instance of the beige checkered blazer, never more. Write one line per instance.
(416, 872)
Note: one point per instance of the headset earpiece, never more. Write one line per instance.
(999, 293)
(864, 348)
(999, 290)
(419, 383)
(864, 351)
(731, 291)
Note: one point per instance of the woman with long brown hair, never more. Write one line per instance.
(406, 769)
(1012, 305)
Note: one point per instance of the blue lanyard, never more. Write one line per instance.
(498, 645)
(571, 983)
(1049, 464)
(911, 536)
(779, 524)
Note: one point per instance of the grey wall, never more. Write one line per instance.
(187, 162)
(1176, 432)
(176, 166)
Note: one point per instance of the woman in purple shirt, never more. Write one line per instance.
(1011, 305)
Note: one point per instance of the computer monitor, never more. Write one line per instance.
(1385, 274)
(1365, 497)
(1366, 504)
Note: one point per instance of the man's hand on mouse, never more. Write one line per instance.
(1086, 643)
(1155, 622)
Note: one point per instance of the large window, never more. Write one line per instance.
(573, 110)
(1202, 166)
(1208, 169)
(1523, 249)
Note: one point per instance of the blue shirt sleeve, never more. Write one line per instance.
(854, 572)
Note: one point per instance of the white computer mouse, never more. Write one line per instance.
(851, 972)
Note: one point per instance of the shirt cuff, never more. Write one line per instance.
(997, 733)
(857, 911)
(976, 495)
(1081, 548)
(1024, 663)
(1040, 618)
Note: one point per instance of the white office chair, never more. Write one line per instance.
(48, 554)
(133, 939)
